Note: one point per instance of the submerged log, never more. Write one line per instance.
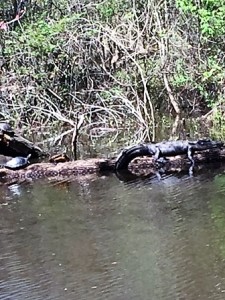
(101, 165)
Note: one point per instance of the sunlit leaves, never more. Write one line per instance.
(210, 14)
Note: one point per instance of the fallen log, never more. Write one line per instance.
(100, 166)
(18, 146)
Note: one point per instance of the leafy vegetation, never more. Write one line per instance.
(111, 61)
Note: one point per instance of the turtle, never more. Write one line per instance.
(5, 128)
(17, 163)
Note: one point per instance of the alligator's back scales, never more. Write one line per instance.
(163, 149)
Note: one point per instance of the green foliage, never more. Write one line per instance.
(81, 57)
(123, 77)
(180, 80)
(214, 71)
(186, 5)
(210, 14)
(111, 8)
(217, 129)
(212, 74)
(181, 77)
(107, 95)
(39, 38)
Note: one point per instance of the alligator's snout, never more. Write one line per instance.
(220, 144)
(208, 144)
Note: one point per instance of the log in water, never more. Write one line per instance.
(95, 166)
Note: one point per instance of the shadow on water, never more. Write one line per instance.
(105, 238)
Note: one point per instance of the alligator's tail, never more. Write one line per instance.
(127, 155)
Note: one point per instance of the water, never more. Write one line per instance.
(102, 238)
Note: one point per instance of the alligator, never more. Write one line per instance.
(165, 149)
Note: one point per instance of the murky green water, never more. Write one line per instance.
(107, 239)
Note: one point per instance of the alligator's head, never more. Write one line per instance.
(206, 144)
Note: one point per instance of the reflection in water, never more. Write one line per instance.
(105, 239)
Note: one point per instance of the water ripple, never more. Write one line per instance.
(106, 239)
